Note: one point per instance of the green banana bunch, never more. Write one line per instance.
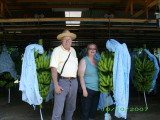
(144, 70)
(43, 73)
(106, 82)
(105, 71)
(42, 61)
(103, 89)
(7, 76)
(35, 53)
(44, 79)
(44, 92)
(2, 83)
(6, 84)
(6, 80)
(138, 64)
(106, 61)
(9, 84)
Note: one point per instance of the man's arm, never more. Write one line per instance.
(57, 88)
(54, 75)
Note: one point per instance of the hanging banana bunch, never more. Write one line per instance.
(144, 70)
(6, 80)
(105, 71)
(43, 73)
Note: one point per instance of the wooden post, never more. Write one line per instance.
(131, 7)
(1, 8)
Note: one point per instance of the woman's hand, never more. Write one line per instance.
(58, 89)
(85, 93)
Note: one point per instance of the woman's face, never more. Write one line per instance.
(92, 50)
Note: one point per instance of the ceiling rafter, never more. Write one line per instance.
(127, 8)
(76, 19)
(89, 1)
(79, 28)
(66, 0)
(131, 7)
(6, 7)
(153, 3)
(104, 6)
(1, 8)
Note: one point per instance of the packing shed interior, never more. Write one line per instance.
(134, 22)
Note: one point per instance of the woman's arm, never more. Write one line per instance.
(81, 70)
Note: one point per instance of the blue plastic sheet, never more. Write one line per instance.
(83, 52)
(103, 101)
(159, 57)
(107, 116)
(97, 56)
(133, 54)
(6, 63)
(28, 80)
(50, 94)
(121, 70)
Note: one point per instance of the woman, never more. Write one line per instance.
(88, 75)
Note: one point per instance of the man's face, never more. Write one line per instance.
(67, 42)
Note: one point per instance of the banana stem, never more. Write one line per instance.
(41, 114)
(40, 106)
(145, 100)
(107, 102)
(9, 91)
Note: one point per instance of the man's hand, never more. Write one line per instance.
(58, 89)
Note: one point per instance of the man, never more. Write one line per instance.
(65, 88)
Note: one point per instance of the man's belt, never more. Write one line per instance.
(68, 77)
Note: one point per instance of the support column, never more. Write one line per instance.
(1, 8)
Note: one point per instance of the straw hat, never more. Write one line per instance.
(66, 33)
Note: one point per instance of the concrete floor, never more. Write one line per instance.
(19, 110)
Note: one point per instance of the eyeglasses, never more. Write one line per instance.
(92, 49)
(67, 40)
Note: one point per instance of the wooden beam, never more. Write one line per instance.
(79, 1)
(155, 2)
(80, 28)
(127, 8)
(1, 8)
(65, 0)
(138, 13)
(6, 7)
(21, 7)
(76, 19)
(131, 7)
